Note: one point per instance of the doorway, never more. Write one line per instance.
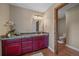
(62, 38)
(70, 34)
(56, 26)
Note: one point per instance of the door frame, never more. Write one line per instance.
(61, 5)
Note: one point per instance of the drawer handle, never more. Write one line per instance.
(27, 42)
(26, 47)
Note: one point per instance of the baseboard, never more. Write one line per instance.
(51, 49)
(72, 47)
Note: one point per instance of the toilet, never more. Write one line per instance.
(62, 39)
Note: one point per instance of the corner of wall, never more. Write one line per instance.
(51, 49)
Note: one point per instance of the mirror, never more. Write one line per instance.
(37, 23)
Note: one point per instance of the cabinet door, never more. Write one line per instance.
(41, 42)
(46, 40)
(12, 49)
(35, 43)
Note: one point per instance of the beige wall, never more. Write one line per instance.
(23, 19)
(49, 25)
(4, 16)
(72, 21)
(62, 26)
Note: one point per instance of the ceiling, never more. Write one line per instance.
(61, 12)
(39, 7)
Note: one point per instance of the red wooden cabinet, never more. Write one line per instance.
(11, 49)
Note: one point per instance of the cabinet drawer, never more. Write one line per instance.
(38, 37)
(26, 39)
(27, 44)
(10, 41)
(25, 50)
(12, 44)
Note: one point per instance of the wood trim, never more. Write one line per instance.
(56, 31)
(56, 26)
(60, 6)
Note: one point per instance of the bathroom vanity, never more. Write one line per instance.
(22, 44)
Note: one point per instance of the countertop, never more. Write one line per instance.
(23, 36)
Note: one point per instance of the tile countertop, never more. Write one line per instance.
(24, 35)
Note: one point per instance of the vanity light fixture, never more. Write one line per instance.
(37, 17)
